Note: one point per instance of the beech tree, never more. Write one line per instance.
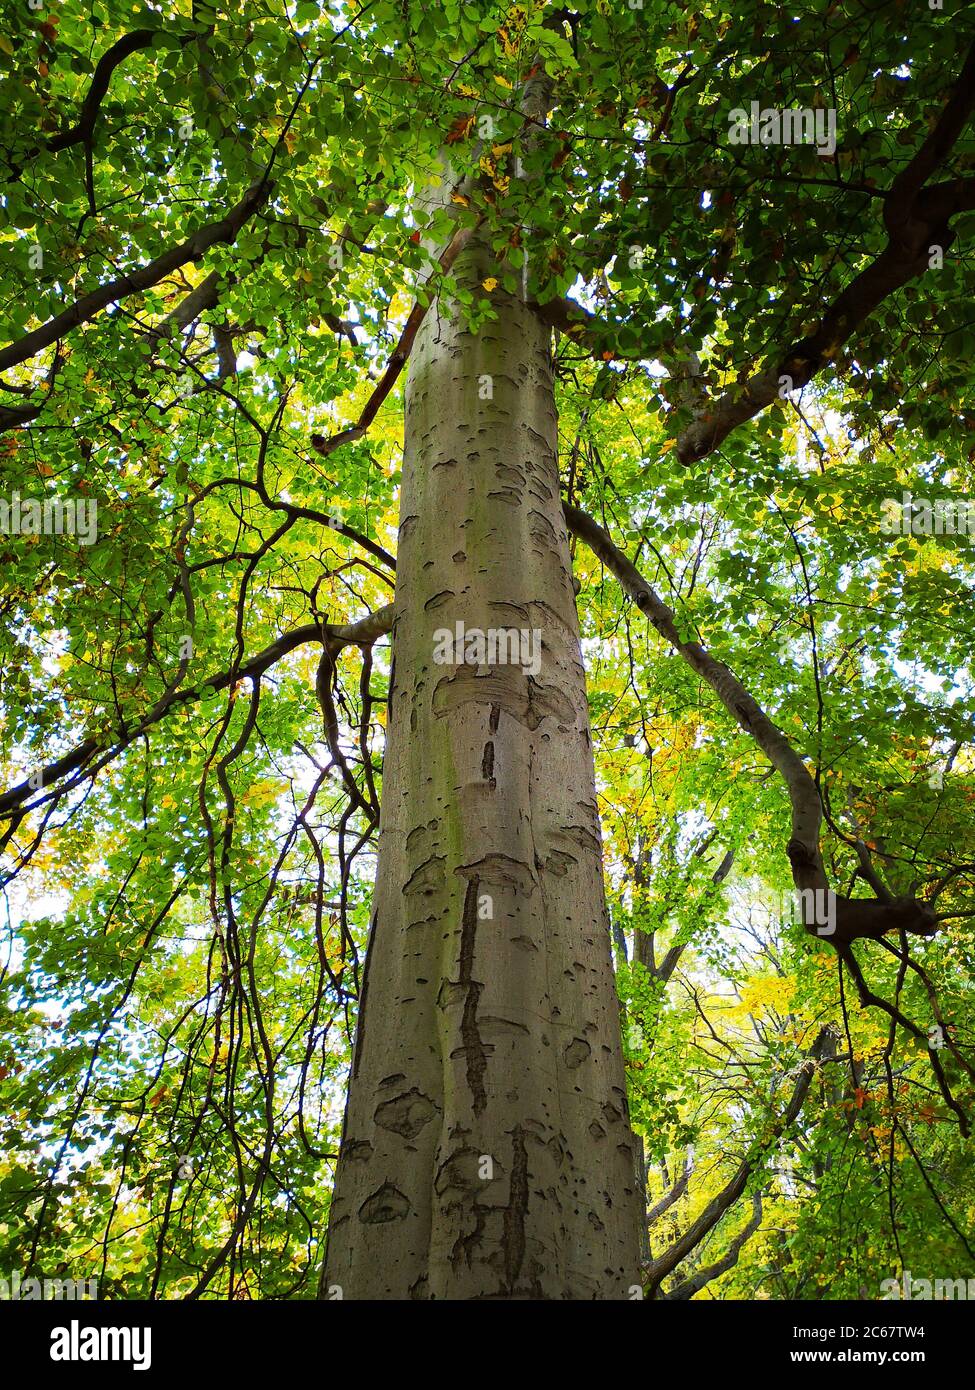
(487, 496)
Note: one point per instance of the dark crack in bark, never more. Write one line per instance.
(473, 1046)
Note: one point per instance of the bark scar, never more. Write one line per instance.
(473, 1046)
(516, 1210)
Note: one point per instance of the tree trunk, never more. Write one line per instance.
(486, 1151)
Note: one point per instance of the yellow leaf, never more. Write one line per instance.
(262, 793)
(502, 81)
(490, 283)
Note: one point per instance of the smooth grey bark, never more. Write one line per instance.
(486, 1151)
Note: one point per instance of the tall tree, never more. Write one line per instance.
(486, 1150)
(453, 493)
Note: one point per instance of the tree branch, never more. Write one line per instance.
(360, 633)
(807, 810)
(916, 219)
(225, 229)
(664, 1264)
(704, 1276)
(675, 1193)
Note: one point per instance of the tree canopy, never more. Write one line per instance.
(222, 226)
